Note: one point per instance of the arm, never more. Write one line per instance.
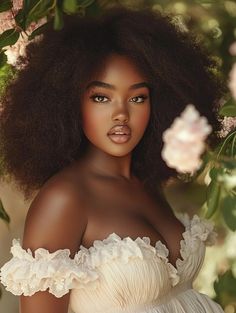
(55, 220)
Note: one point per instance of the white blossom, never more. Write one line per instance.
(184, 140)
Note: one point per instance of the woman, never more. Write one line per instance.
(87, 115)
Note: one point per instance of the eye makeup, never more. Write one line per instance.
(99, 95)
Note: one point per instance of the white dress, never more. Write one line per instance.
(118, 275)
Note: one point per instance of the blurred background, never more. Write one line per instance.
(214, 22)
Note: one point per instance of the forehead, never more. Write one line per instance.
(120, 70)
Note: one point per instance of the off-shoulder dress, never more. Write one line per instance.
(118, 274)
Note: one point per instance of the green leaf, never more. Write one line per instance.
(206, 158)
(5, 5)
(233, 146)
(94, 9)
(85, 3)
(39, 10)
(3, 59)
(9, 37)
(58, 22)
(37, 31)
(69, 6)
(213, 197)
(229, 108)
(229, 164)
(29, 4)
(229, 211)
(20, 19)
(225, 287)
(7, 74)
(215, 172)
(3, 213)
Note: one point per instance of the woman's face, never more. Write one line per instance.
(117, 96)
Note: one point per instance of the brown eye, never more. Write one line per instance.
(139, 99)
(99, 98)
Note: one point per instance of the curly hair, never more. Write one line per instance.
(41, 122)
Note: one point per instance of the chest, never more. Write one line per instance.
(129, 211)
(120, 210)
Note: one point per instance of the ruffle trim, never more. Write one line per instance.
(26, 274)
(197, 230)
(113, 247)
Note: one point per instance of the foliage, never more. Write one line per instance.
(225, 287)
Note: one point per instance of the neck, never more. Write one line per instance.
(108, 165)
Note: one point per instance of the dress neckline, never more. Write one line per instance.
(197, 231)
(27, 273)
(194, 227)
(159, 245)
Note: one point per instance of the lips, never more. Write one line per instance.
(120, 130)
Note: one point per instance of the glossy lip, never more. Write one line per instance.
(120, 128)
(119, 138)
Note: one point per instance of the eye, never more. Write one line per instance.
(139, 99)
(98, 98)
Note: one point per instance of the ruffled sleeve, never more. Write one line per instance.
(204, 229)
(26, 274)
(199, 227)
(199, 233)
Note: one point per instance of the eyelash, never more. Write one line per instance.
(98, 95)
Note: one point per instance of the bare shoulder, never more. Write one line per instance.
(56, 218)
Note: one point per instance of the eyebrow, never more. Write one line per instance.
(97, 83)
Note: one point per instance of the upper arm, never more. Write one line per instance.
(55, 220)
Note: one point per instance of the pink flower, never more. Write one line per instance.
(18, 49)
(184, 141)
(232, 81)
(228, 123)
(7, 21)
(17, 5)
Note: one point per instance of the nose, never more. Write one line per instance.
(121, 114)
(121, 118)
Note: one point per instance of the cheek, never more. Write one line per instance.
(92, 121)
(142, 118)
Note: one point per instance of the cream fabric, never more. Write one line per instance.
(118, 275)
